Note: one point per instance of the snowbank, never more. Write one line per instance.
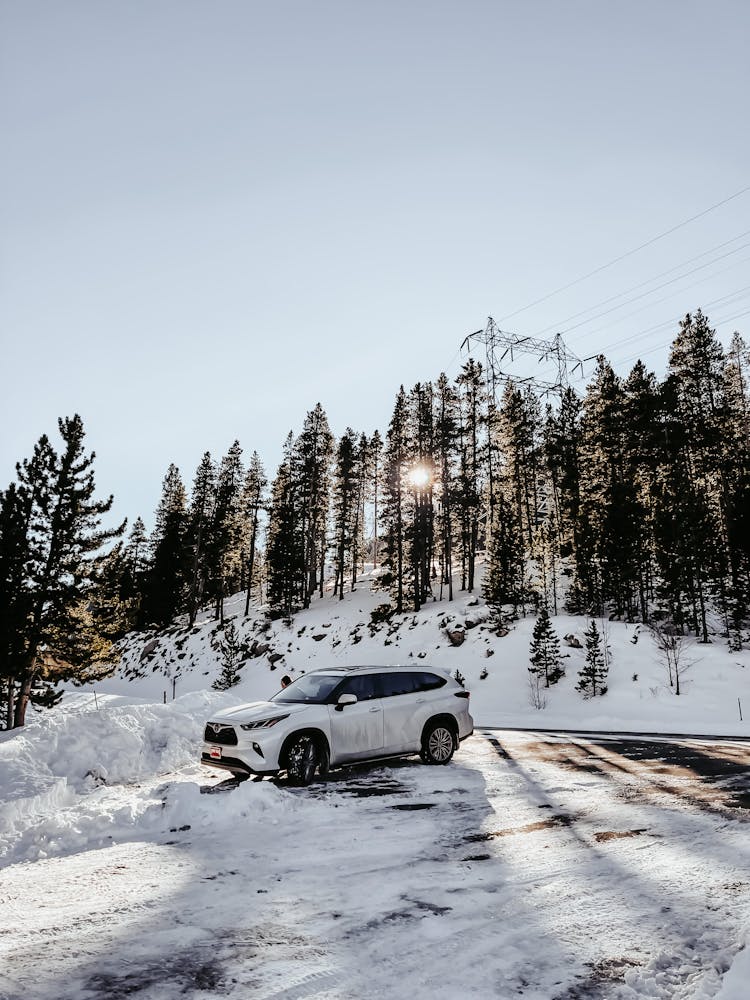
(736, 982)
(56, 763)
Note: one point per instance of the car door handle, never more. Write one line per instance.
(376, 709)
(421, 701)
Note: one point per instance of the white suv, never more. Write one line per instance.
(338, 716)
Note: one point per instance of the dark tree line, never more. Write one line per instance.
(204, 547)
(632, 496)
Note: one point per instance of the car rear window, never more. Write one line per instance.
(409, 682)
(430, 682)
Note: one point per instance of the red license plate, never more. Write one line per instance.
(215, 753)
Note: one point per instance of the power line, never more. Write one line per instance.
(665, 298)
(658, 288)
(629, 253)
(648, 281)
(660, 347)
(724, 300)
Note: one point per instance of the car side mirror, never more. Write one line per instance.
(344, 700)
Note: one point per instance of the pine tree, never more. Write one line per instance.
(134, 572)
(164, 596)
(313, 454)
(253, 500)
(518, 491)
(372, 492)
(545, 650)
(694, 486)
(223, 550)
(15, 598)
(420, 478)
(52, 521)
(561, 449)
(469, 486)
(446, 438)
(228, 644)
(593, 673)
(609, 512)
(735, 461)
(643, 453)
(284, 549)
(199, 532)
(344, 500)
(504, 573)
(362, 457)
(393, 514)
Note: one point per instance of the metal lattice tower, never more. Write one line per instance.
(500, 345)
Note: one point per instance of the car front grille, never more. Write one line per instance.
(216, 732)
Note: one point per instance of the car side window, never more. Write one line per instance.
(399, 682)
(430, 682)
(363, 685)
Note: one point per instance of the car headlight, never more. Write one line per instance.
(264, 723)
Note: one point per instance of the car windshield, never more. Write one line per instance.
(311, 689)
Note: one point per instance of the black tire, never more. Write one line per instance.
(324, 761)
(302, 760)
(438, 743)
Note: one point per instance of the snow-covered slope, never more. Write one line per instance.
(334, 632)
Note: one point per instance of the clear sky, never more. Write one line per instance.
(215, 214)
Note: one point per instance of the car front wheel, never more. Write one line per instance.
(302, 760)
(437, 744)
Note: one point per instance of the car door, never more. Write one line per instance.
(404, 710)
(357, 730)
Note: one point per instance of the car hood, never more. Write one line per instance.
(257, 710)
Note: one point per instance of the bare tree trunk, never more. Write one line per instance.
(9, 704)
(22, 701)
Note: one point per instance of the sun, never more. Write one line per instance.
(419, 476)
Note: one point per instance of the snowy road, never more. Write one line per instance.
(536, 865)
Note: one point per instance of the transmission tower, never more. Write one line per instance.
(500, 345)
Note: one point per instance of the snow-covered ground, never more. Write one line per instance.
(531, 866)
(517, 870)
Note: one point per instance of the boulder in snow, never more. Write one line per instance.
(148, 649)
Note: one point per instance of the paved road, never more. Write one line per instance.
(715, 769)
(540, 865)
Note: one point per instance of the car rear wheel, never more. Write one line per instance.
(437, 744)
(302, 761)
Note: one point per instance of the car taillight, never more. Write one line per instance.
(462, 694)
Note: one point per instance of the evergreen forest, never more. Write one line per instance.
(628, 500)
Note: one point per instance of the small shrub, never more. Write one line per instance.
(382, 613)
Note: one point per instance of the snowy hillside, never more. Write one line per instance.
(333, 632)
